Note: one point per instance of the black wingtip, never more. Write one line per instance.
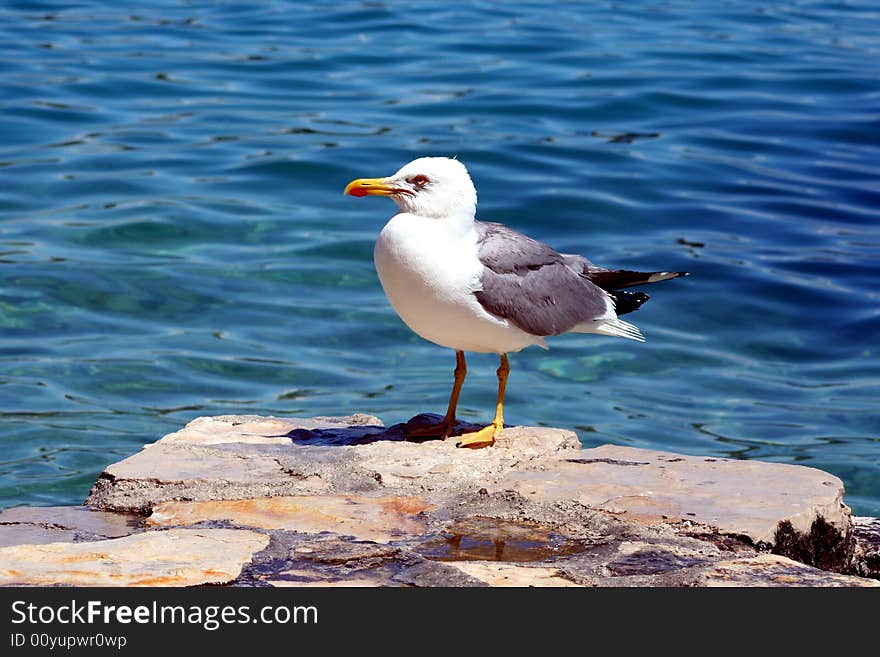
(627, 302)
(616, 279)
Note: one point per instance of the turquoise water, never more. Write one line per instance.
(174, 240)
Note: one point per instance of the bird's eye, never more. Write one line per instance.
(419, 181)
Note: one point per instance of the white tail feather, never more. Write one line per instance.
(663, 276)
(616, 327)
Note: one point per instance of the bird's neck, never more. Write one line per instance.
(458, 224)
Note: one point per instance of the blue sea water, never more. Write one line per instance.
(174, 240)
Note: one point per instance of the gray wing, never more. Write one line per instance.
(533, 286)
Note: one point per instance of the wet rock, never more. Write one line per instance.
(656, 556)
(425, 573)
(177, 557)
(345, 501)
(824, 545)
(51, 524)
(641, 558)
(480, 538)
(652, 565)
(866, 557)
(769, 503)
(774, 570)
(293, 560)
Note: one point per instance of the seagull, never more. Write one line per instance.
(477, 286)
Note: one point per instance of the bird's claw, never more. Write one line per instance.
(485, 437)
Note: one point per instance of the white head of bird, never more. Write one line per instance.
(435, 187)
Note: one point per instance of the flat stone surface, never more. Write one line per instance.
(749, 498)
(308, 578)
(259, 430)
(177, 557)
(508, 574)
(52, 524)
(345, 501)
(330, 560)
(380, 519)
(21, 534)
(298, 560)
(247, 459)
(774, 570)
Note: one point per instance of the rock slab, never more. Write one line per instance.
(245, 459)
(177, 557)
(379, 519)
(241, 457)
(51, 524)
(347, 502)
(747, 498)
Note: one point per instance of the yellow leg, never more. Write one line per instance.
(443, 429)
(487, 435)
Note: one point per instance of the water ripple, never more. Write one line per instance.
(174, 242)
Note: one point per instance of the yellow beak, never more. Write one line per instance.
(369, 187)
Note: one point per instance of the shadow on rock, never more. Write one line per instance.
(363, 435)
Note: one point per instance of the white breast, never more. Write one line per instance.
(429, 271)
